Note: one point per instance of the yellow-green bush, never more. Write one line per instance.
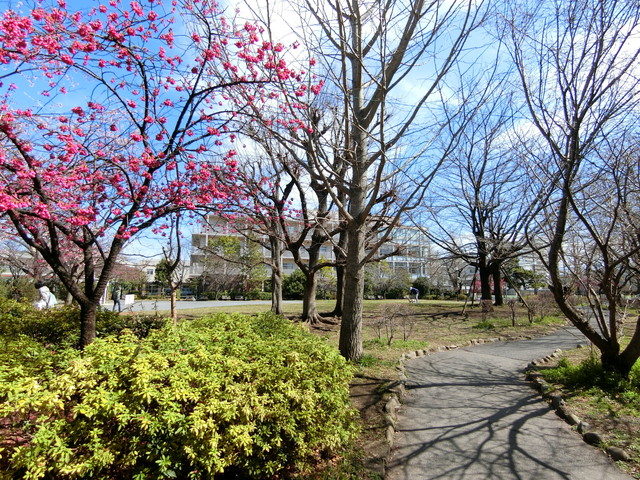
(60, 326)
(253, 397)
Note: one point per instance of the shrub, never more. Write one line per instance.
(61, 326)
(391, 318)
(541, 305)
(250, 397)
(293, 285)
(423, 284)
(18, 288)
(484, 325)
(210, 295)
(140, 325)
(367, 360)
(12, 314)
(590, 373)
(54, 326)
(397, 293)
(256, 294)
(28, 356)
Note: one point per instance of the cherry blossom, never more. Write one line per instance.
(132, 125)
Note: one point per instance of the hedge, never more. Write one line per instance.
(250, 397)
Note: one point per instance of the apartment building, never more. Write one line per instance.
(417, 253)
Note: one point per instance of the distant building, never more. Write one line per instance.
(416, 257)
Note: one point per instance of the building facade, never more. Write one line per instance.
(416, 256)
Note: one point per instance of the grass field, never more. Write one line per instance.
(393, 327)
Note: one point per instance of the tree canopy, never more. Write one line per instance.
(132, 123)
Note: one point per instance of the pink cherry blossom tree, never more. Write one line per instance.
(116, 117)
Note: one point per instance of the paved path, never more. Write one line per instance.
(151, 306)
(471, 415)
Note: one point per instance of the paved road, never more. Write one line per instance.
(164, 305)
(470, 415)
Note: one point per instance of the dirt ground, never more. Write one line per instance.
(367, 395)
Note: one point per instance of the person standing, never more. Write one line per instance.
(47, 299)
(116, 296)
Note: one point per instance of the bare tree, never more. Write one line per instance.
(22, 260)
(232, 258)
(454, 268)
(371, 51)
(372, 55)
(267, 187)
(218, 275)
(578, 64)
(172, 267)
(314, 224)
(484, 200)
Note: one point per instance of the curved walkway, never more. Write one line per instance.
(469, 414)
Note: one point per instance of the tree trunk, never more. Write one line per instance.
(350, 343)
(89, 297)
(621, 362)
(309, 309)
(624, 362)
(339, 253)
(337, 309)
(485, 279)
(497, 286)
(276, 292)
(88, 312)
(609, 348)
(276, 276)
(174, 307)
(340, 259)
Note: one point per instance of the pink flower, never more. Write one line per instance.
(65, 58)
(135, 6)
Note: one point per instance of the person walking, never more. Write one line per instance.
(116, 296)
